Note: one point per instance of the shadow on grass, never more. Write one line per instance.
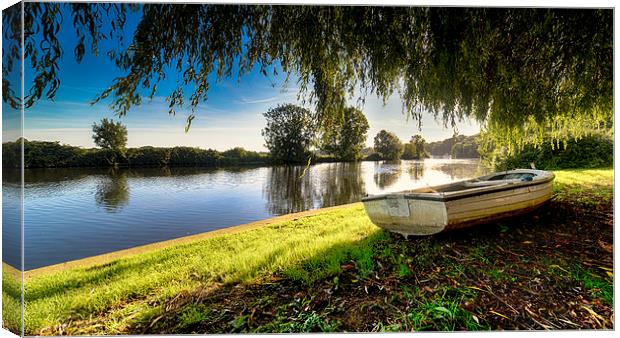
(382, 279)
(479, 278)
(232, 298)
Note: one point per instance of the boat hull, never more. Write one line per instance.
(418, 214)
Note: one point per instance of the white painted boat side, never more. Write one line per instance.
(426, 211)
(422, 217)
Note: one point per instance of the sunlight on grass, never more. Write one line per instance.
(584, 184)
(134, 289)
(305, 249)
(11, 300)
(587, 177)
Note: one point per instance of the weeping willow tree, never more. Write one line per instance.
(522, 73)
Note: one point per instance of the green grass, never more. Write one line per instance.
(193, 314)
(133, 289)
(597, 286)
(11, 301)
(303, 322)
(305, 250)
(585, 186)
(441, 313)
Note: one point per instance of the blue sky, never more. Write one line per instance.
(232, 115)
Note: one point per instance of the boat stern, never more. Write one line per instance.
(406, 216)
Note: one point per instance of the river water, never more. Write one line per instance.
(73, 213)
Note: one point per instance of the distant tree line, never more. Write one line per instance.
(457, 146)
(41, 154)
(387, 146)
(292, 136)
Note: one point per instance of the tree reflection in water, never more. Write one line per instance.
(461, 171)
(324, 185)
(112, 192)
(287, 191)
(341, 183)
(416, 171)
(387, 173)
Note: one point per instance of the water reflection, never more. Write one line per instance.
(460, 170)
(416, 171)
(112, 191)
(386, 173)
(73, 213)
(286, 190)
(341, 183)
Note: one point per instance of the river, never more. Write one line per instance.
(72, 213)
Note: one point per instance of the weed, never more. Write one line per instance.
(403, 270)
(599, 287)
(437, 314)
(193, 314)
(496, 274)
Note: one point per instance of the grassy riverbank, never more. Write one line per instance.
(336, 271)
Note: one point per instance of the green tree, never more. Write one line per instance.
(112, 136)
(346, 139)
(465, 149)
(415, 149)
(289, 132)
(518, 71)
(388, 145)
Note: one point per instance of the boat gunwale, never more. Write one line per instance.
(461, 194)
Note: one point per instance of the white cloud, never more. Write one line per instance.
(254, 101)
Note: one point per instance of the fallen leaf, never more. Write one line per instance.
(347, 266)
(499, 314)
(559, 267)
(476, 288)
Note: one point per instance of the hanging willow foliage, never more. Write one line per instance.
(517, 71)
(557, 130)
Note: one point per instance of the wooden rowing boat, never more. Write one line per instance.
(430, 210)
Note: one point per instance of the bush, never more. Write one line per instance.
(148, 156)
(239, 155)
(592, 151)
(373, 157)
(11, 154)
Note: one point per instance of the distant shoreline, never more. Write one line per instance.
(43, 154)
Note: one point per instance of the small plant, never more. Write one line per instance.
(307, 322)
(403, 270)
(496, 274)
(598, 287)
(193, 314)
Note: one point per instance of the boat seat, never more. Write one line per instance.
(477, 184)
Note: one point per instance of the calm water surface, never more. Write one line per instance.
(76, 213)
